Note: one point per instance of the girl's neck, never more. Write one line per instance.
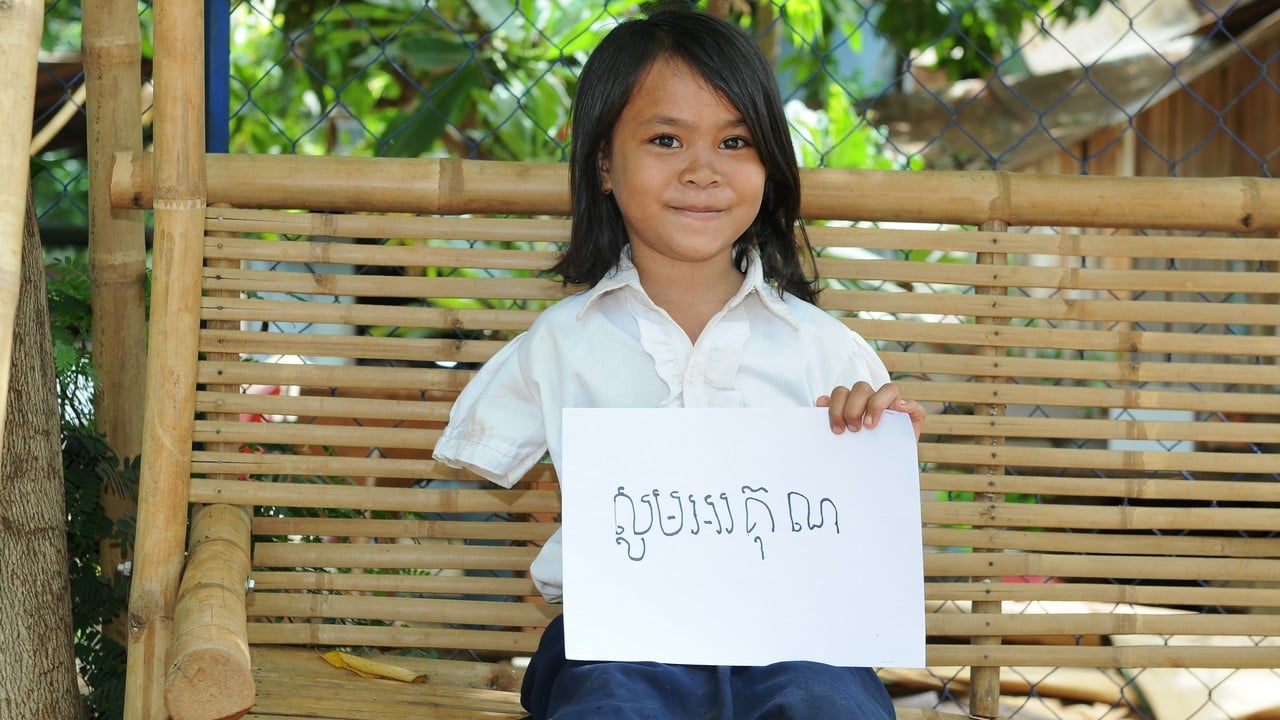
(691, 295)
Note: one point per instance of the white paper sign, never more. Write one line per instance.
(741, 537)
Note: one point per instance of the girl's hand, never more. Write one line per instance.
(859, 406)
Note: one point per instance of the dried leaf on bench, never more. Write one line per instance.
(370, 668)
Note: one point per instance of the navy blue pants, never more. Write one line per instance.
(560, 689)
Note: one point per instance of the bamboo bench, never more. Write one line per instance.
(1099, 469)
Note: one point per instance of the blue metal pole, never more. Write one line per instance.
(217, 75)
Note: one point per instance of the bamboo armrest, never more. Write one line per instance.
(209, 677)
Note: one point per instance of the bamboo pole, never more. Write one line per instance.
(209, 676)
(21, 24)
(59, 121)
(984, 695)
(1225, 204)
(179, 191)
(112, 49)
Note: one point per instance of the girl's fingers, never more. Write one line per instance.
(858, 406)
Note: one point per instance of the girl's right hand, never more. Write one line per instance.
(859, 405)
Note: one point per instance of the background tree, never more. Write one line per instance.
(38, 675)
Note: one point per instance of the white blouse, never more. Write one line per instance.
(612, 347)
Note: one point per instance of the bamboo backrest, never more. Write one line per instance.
(1099, 469)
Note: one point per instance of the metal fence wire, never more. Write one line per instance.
(1120, 87)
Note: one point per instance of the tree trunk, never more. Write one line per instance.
(38, 672)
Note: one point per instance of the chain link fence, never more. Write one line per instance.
(1148, 88)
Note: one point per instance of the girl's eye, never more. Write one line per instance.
(735, 143)
(667, 141)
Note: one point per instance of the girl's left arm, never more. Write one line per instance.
(859, 405)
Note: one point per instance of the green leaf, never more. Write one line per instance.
(432, 52)
(415, 131)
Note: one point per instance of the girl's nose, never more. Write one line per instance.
(701, 169)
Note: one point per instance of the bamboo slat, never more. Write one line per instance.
(334, 376)
(1072, 395)
(1011, 625)
(316, 581)
(1237, 204)
(1122, 370)
(283, 433)
(1143, 567)
(455, 320)
(1156, 654)
(409, 411)
(457, 673)
(332, 635)
(1122, 597)
(1121, 460)
(364, 527)
(1131, 487)
(435, 555)
(514, 288)
(488, 230)
(1062, 243)
(353, 346)
(1045, 427)
(1129, 543)
(209, 676)
(250, 464)
(1053, 278)
(352, 497)
(410, 611)
(1056, 308)
(1066, 338)
(1100, 518)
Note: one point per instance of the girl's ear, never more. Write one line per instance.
(602, 165)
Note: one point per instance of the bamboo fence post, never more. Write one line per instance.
(112, 49)
(984, 693)
(21, 25)
(180, 198)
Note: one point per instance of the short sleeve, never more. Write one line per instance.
(865, 358)
(496, 427)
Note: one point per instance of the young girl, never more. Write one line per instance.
(685, 224)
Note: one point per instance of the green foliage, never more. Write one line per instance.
(70, 313)
(90, 467)
(970, 38)
(386, 78)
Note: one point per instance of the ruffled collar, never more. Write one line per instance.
(624, 274)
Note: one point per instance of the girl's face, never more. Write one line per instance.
(685, 172)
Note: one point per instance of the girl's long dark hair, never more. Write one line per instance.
(729, 62)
